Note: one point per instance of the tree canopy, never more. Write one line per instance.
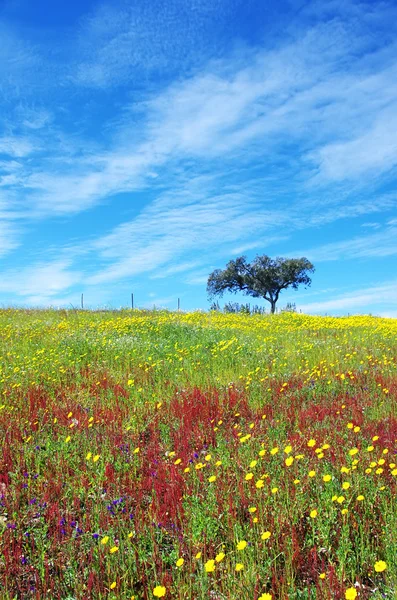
(264, 277)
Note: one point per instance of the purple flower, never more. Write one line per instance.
(32, 501)
(95, 536)
(11, 526)
(24, 560)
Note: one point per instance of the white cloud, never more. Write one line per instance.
(376, 245)
(175, 269)
(370, 298)
(168, 229)
(235, 109)
(40, 280)
(375, 151)
(15, 146)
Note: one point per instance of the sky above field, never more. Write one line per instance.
(145, 144)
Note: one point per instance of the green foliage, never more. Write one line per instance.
(263, 278)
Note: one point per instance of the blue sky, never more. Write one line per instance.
(144, 144)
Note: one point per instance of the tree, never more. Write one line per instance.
(264, 277)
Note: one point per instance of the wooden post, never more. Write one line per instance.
(132, 300)
(179, 304)
(82, 302)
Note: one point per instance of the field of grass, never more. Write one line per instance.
(197, 456)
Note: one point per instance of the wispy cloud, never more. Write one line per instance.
(40, 280)
(373, 298)
(376, 245)
(272, 97)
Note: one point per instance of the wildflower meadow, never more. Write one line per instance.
(151, 454)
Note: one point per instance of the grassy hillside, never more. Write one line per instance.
(197, 456)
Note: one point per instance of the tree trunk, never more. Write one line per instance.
(273, 307)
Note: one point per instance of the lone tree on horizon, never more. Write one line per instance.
(264, 277)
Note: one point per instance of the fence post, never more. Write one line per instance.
(82, 303)
(132, 300)
(179, 304)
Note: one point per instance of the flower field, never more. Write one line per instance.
(197, 456)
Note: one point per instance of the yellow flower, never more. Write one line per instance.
(262, 452)
(114, 549)
(313, 514)
(249, 476)
(219, 557)
(198, 556)
(105, 540)
(265, 597)
(113, 585)
(289, 461)
(68, 439)
(159, 591)
(351, 593)
(241, 545)
(253, 464)
(311, 443)
(252, 509)
(88, 456)
(273, 451)
(178, 461)
(380, 566)
(344, 511)
(345, 485)
(265, 535)
(274, 490)
(259, 484)
(340, 499)
(322, 575)
(288, 449)
(353, 451)
(209, 566)
(327, 478)
(212, 478)
(239, 567)
(296, 481)
(360, 498)
(180, 562)
(312, 473)
(96, 457)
